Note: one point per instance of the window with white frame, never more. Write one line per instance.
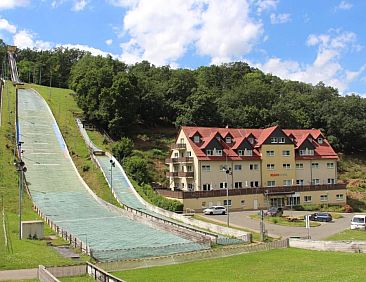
(282, 140)
(238, 184)
(271, 183)
(253, 166)
(286, 166)
(248, 152)
(176, 155)
(223, 185)
(218, 152)
(274, 140)
(270, 166)
(251, 140)
(300, 182)
(331, 181)
(320, 140)
(270, 153)
(315, 165)
(228, 140)
(227, 203)
(306, 152)
(241, 152)
(307, 199)
(287, 182)
(285, 153)
(254, 183)
(330, 165)
(315, 181)
(206, 187)
(206, 168)
(324, 198)
(196, 139)
(237, 167)
(300, 166)
(209, 152)
(339, 197)
(190, 186)
(188, 154)
(218, 137)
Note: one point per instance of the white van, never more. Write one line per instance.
(358, 221)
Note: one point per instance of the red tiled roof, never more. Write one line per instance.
(208, 133)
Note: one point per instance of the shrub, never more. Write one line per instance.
(85, 168)
(123, 148)
(137, 168)
(307, 207)
(347, 208)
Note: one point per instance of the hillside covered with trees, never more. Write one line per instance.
(116, 96)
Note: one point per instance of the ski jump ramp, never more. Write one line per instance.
(62, 196)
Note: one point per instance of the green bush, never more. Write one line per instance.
(307, 207)
(149, 195)
(136, 167)
(123, 148)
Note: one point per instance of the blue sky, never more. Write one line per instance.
(309, 41)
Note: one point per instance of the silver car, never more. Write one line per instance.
(215, 210)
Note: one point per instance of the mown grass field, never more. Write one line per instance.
(18, 253)
(276, 265)
(349, 235)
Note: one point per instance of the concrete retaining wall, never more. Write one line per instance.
(65, 271)
(336, 246)
(45, 276)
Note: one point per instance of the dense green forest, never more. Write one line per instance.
(117, 96)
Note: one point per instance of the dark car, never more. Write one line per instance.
(275, 211)
(325, 217)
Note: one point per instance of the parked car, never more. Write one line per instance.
(325, 217)
(215, 210)
(275, 211)
(358, 222)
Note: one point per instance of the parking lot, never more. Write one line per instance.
(242, 219)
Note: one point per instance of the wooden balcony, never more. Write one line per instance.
(283, 190)
(179, 160)
(179, 146)
(176, 174)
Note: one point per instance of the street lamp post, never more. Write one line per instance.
(21, 169)
(227, 172)
(113, 164)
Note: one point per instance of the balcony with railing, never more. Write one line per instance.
(179, 160)
(179, 146)
(176, 174)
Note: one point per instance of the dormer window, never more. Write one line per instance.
(320, 140)
(209, 152)
(274, 140)
(241, 152)
(218, 153)
(228, 140)
(282, 140)
(306, 152)
(196, 139)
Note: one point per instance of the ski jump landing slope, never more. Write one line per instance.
(62, 195)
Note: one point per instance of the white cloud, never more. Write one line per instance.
(109, 42)
(265, 5)
(123, 3)
(344, 5)
(280, 18)
(25, 39)
(227, 31)
(5, 25)
(92, 50)
(10, 4)
(163, 31)
(79, 5)
(326, 66)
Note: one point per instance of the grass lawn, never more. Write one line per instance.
(84, 278)
(349, 235)
(18, 253)
(276, 265)
(283, 221)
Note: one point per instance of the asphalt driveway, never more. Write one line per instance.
(326, 229)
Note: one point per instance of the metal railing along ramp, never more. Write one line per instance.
(63, 197)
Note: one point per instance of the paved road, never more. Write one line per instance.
(326, 229)
(18, 274)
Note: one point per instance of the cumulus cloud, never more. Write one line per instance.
(344, 5)
(92, 50)
(162, 31)
(5, 25)
(10, 4)
(109, 42)
(280, 18)
(25, 39)
(326, 66)
(265, 5)
(79, 5)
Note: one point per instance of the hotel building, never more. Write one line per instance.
(253, 168)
